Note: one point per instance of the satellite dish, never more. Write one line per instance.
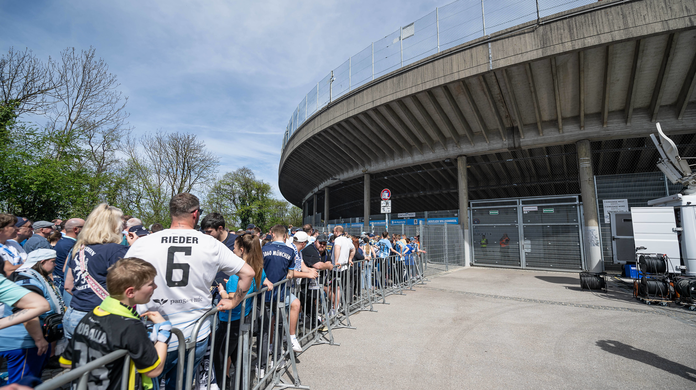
(672, 153)
(671, 164)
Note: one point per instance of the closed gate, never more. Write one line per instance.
(540, 233)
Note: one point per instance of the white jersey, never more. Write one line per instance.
(346, 244)
(187, 262)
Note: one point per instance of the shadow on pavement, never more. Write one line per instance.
(559, 279)
(629, 352)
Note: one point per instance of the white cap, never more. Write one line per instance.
(301, 236)
(36, 256)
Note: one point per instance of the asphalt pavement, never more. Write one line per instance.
(488, 328)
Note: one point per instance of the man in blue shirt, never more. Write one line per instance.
(279, 264)
(385, 249)
(25, 230)
(278, 259)
(63, 247)
(42, 229)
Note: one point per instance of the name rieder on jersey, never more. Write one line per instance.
(187, 262)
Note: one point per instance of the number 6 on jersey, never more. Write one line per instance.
(171, 266)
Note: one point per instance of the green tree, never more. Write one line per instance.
(66, 165)
(32, 181)
(242, 199)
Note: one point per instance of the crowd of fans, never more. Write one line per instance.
(75, 290)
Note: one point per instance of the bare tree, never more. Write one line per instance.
(24, 79)
(166, 164)
(86, 100)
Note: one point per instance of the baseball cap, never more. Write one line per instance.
(43, 224)
(36, 256)
(322, 238)
(139, 230)
(301, 237)
(250, 226)
(21, 221)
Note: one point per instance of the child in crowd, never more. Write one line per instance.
(115, 325)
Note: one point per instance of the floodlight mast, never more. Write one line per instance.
(671, 164)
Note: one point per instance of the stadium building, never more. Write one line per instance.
(523, 134)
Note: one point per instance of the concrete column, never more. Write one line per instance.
(464, 207)
(593, 255)
(314, 215)
(366, 202)
(326, 207)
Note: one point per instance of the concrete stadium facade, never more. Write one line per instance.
(538, 110)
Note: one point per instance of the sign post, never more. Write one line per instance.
(385, 195)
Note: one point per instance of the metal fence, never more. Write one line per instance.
(446, 27)
(257, 352)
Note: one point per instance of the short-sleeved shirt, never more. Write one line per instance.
(231, 287)
(17, 337)
(62, 248)
(298, 256)
(346, 244)
(311, 256)
(278, 259)
(229, 241)
(36, 242)
(13, 252)
(186, 261)
(98, 259)
(384, 248)
(10, 293)
(100, 333)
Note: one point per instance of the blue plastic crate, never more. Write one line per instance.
(630, 271)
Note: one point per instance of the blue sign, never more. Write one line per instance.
(417, 221)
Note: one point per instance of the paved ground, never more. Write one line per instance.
(483, 328)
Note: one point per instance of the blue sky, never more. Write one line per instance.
(231, 72)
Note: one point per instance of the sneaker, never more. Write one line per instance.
(296, 345)
(332, 313)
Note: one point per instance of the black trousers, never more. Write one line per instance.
(219, 357)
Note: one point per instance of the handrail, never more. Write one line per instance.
(304, 112)
(75, 374)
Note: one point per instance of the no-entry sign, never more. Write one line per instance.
(385, 194)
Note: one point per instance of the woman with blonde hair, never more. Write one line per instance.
(97, 248)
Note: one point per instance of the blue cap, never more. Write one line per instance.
(21, 221)
(139, 230)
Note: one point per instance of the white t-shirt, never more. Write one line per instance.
(345, 243)
(187, 262)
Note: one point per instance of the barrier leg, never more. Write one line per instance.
(295, 377)
(343, 322)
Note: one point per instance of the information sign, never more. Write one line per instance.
(613, 205)
(386, 207)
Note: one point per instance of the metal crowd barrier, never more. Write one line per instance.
(81, 374)
(264, 354)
